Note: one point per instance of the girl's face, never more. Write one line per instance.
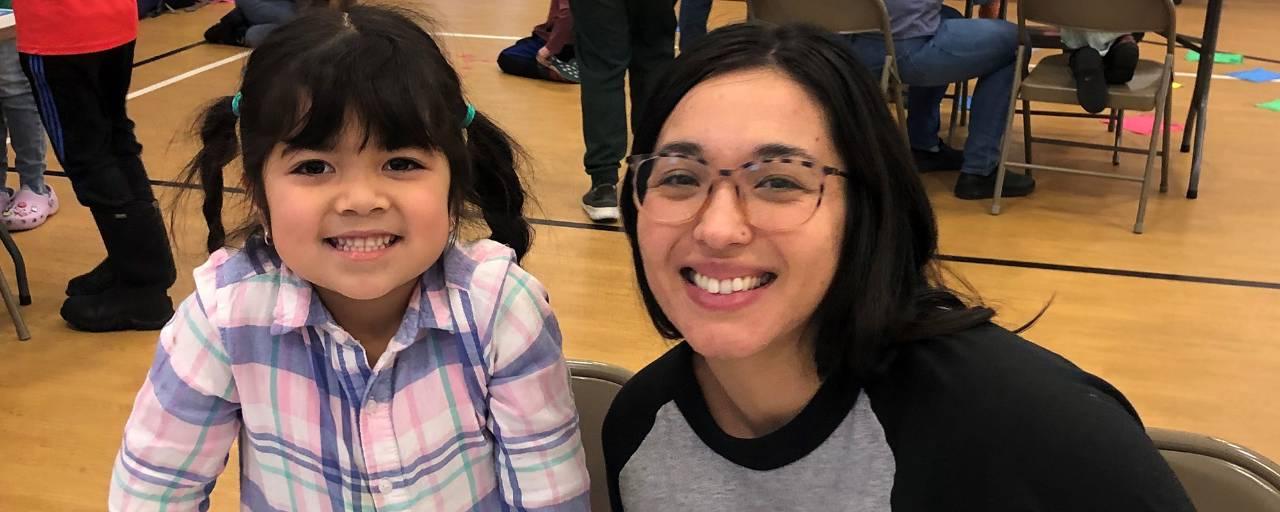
(358, 221)
(731, 120)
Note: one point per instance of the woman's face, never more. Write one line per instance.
(730, 120)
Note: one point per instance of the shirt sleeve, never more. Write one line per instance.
(184, 420)
(561, 21)
(532, 416)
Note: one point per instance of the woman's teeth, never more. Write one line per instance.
(363, 244)
(728, 286)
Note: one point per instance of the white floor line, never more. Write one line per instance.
(157, 86)
(477, 36)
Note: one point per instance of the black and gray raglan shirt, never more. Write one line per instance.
(981, 420)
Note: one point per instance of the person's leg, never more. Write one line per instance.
(960, 50)
(264, 16)
(603, 45)
(693, 21)
(262, 12)
(653, 32)
(76, 95)
(521, 59)
(923, 103)
(22, 120)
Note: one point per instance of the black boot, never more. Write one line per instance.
(229, 30)
(139, 256)
(94, 282)
(1121, 61)
(1091, 82)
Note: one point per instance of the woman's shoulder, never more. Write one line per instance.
(985, 414)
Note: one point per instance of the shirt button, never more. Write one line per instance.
(384, 486)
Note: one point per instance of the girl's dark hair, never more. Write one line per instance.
(887, 287)
(378, 67)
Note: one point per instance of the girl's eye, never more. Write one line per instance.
(312, 168)
(402, 165)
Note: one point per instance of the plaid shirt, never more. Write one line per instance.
(468, 409)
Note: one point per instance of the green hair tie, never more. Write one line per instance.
(471, 116)
(235, 104)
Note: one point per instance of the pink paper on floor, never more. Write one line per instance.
(1142, 124)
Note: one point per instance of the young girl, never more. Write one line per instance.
(362, 356)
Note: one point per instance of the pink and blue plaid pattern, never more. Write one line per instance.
(469, 408)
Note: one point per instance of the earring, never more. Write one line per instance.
(266, 235)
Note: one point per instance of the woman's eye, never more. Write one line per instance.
(779, 183)
(678, 179)
(403, 165)
(312, 168)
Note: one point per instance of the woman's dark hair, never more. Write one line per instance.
(373, 65)
(887, 287)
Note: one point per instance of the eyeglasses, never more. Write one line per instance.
(776, 194)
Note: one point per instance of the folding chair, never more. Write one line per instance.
(1220, 476)
(594, 386)
(1051, 81)
(24, 292)
(842, 17)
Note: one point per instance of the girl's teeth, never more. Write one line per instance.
(364, 244)
(727, 286)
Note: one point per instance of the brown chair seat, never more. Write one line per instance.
(1051, 81)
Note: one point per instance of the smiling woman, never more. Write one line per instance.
(823, 365)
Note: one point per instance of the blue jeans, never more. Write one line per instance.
(961, 49)
(693, 21)
(264, 16)
(21, 119)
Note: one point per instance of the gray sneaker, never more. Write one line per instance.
(601, 203)
(568, 70)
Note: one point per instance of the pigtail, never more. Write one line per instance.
(219, 146)
(497, 190)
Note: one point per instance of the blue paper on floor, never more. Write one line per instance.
(1256, 75)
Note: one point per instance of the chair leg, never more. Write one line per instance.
(1146, 175)
(1111, 121)
(957, 102)
(18, 323)
(964, 105)
(19, 266)
(1119, 119)
(1026, 130)
(1165, 129)
(1005, 140)
(902, 111)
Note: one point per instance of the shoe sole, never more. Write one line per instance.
(133, 325)
(602, 214)
(969, 196)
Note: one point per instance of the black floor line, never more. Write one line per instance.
(167, 54)
(614, 228)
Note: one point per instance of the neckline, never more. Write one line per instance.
(793, 441)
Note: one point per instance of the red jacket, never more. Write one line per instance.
(70, 27)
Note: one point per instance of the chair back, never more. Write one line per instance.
(594, 386)
(1220, 476)
(1158, 16)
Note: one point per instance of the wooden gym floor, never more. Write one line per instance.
(1183, 319)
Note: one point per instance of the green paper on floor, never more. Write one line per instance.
(1273, 105)
(1218, 57)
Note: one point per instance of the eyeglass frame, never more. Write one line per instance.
(636, 159)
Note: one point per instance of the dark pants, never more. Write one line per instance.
(614, 37)
(693, 22)
(521, 59)
(81, 99)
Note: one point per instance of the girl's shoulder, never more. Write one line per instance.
(484, 269)
(250, 286)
